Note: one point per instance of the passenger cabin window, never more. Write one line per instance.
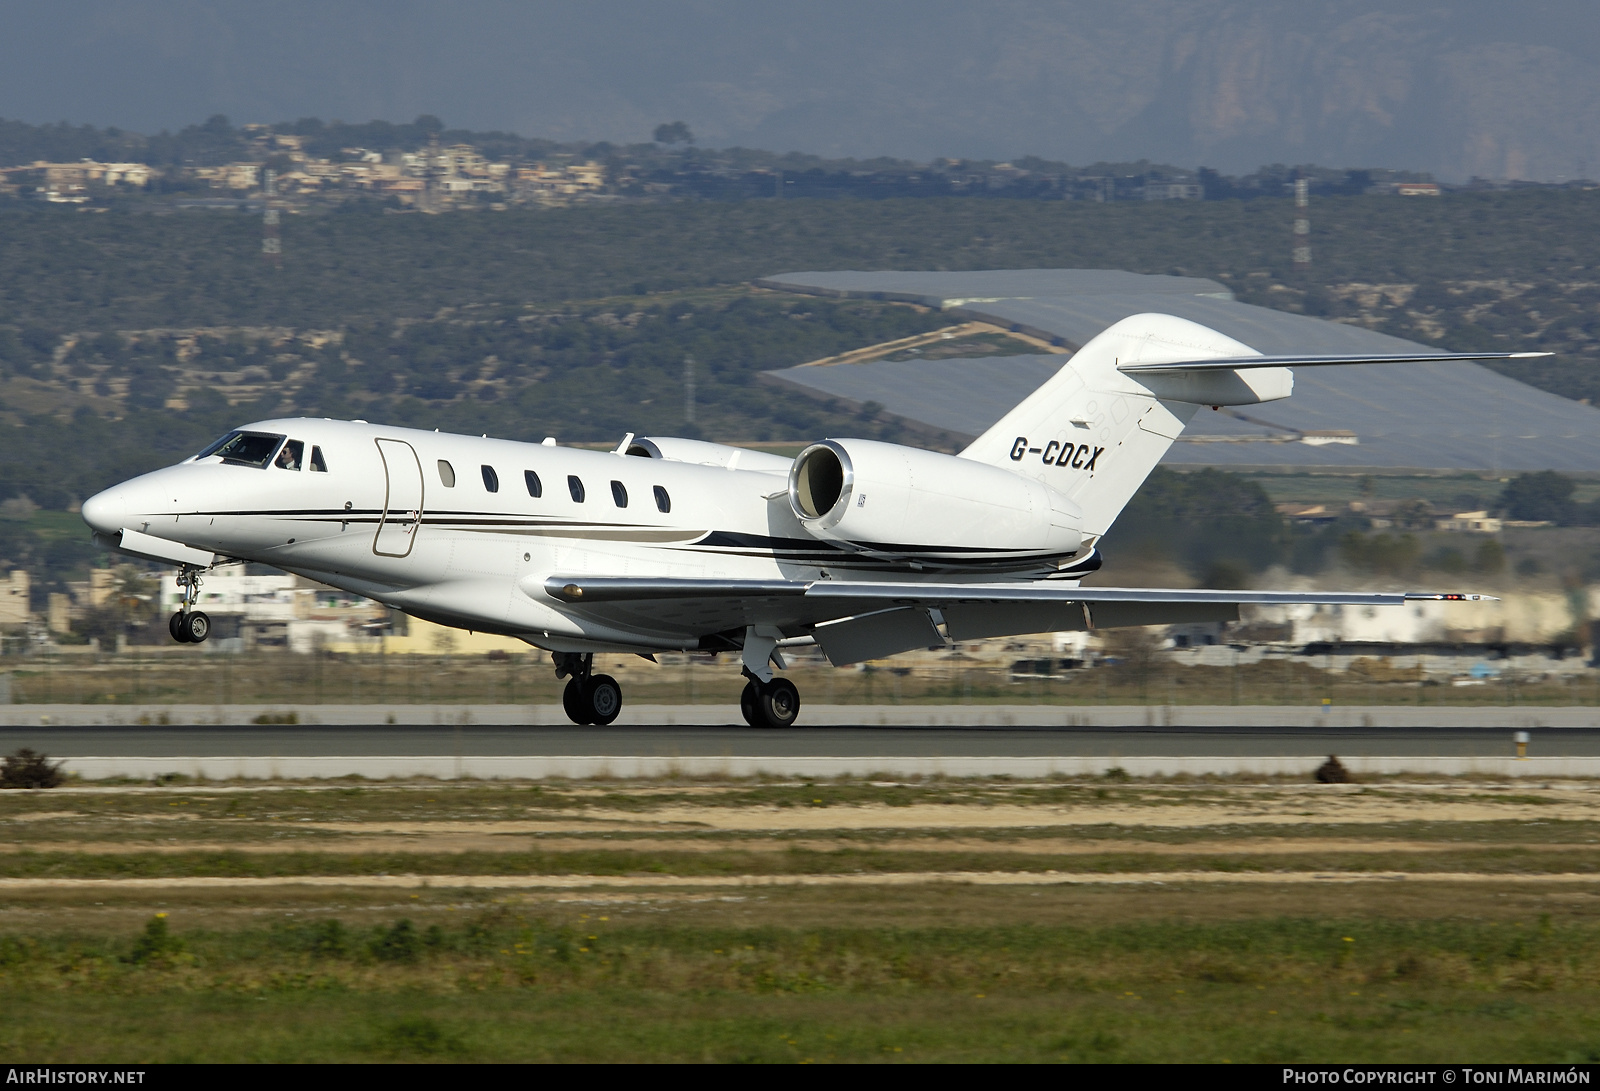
(491, 480)
(289, 458)
(317, 465)
(619, 494)
(447, 474)
(244, 449)
(663, 501)
(575, 487)
(535, 486)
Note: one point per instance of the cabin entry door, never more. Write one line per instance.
(402, 504)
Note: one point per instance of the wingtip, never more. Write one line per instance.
(1453, 596)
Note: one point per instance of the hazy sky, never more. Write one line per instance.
(1456, 86)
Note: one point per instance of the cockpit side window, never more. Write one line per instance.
(291, 456)
(248, 449)
(215, 445)
(317, 465)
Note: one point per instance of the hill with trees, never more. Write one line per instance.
(127, 339)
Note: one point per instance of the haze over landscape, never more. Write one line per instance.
(1460, 88)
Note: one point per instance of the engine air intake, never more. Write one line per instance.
(819, 477)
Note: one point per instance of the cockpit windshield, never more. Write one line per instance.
(243, 448)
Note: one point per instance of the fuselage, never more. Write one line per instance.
(467, 530)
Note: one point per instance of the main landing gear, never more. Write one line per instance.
(766, 702)
(188, 625)
(769, 704)
(589, 698)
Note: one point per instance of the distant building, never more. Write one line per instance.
(1470, 522)
(14, 597)
(1315, 514)
(1417, 189)
(60, 612)
(1173, 191)
(1322, 438)
(238, 176)
(542, 182)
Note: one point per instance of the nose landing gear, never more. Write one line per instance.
(188, 625)
(589, 698)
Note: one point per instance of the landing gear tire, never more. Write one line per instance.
(573, 704)
(779, 703)
(770, 704)
(595, 700)
(198, 627)
(190, 628)
(604, 698)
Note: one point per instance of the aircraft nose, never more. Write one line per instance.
(105, 512)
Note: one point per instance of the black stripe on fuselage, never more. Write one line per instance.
(717, 542)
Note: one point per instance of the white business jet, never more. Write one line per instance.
(865, 549)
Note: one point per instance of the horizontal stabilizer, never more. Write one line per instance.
(1243, 363)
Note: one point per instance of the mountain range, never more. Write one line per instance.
(1456, 87)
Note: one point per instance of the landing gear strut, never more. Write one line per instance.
(188, 625)
(589, 698)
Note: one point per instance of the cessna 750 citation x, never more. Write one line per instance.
(863, 548)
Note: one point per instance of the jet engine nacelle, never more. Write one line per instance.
(701, 453)
(903, 502)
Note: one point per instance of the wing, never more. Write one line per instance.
(860, 620)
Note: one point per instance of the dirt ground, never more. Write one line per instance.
(658, 837)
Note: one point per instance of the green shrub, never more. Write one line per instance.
(398, 943)
(156, 944)
(27, 769)
(417, 1034)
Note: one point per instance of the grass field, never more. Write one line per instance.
(787, 921)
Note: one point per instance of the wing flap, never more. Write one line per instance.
(876, 636)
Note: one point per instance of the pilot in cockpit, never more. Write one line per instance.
(289, 457)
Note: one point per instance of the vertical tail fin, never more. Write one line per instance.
(1094, 433)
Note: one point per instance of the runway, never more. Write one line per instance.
(383, 740)
(841, 740)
